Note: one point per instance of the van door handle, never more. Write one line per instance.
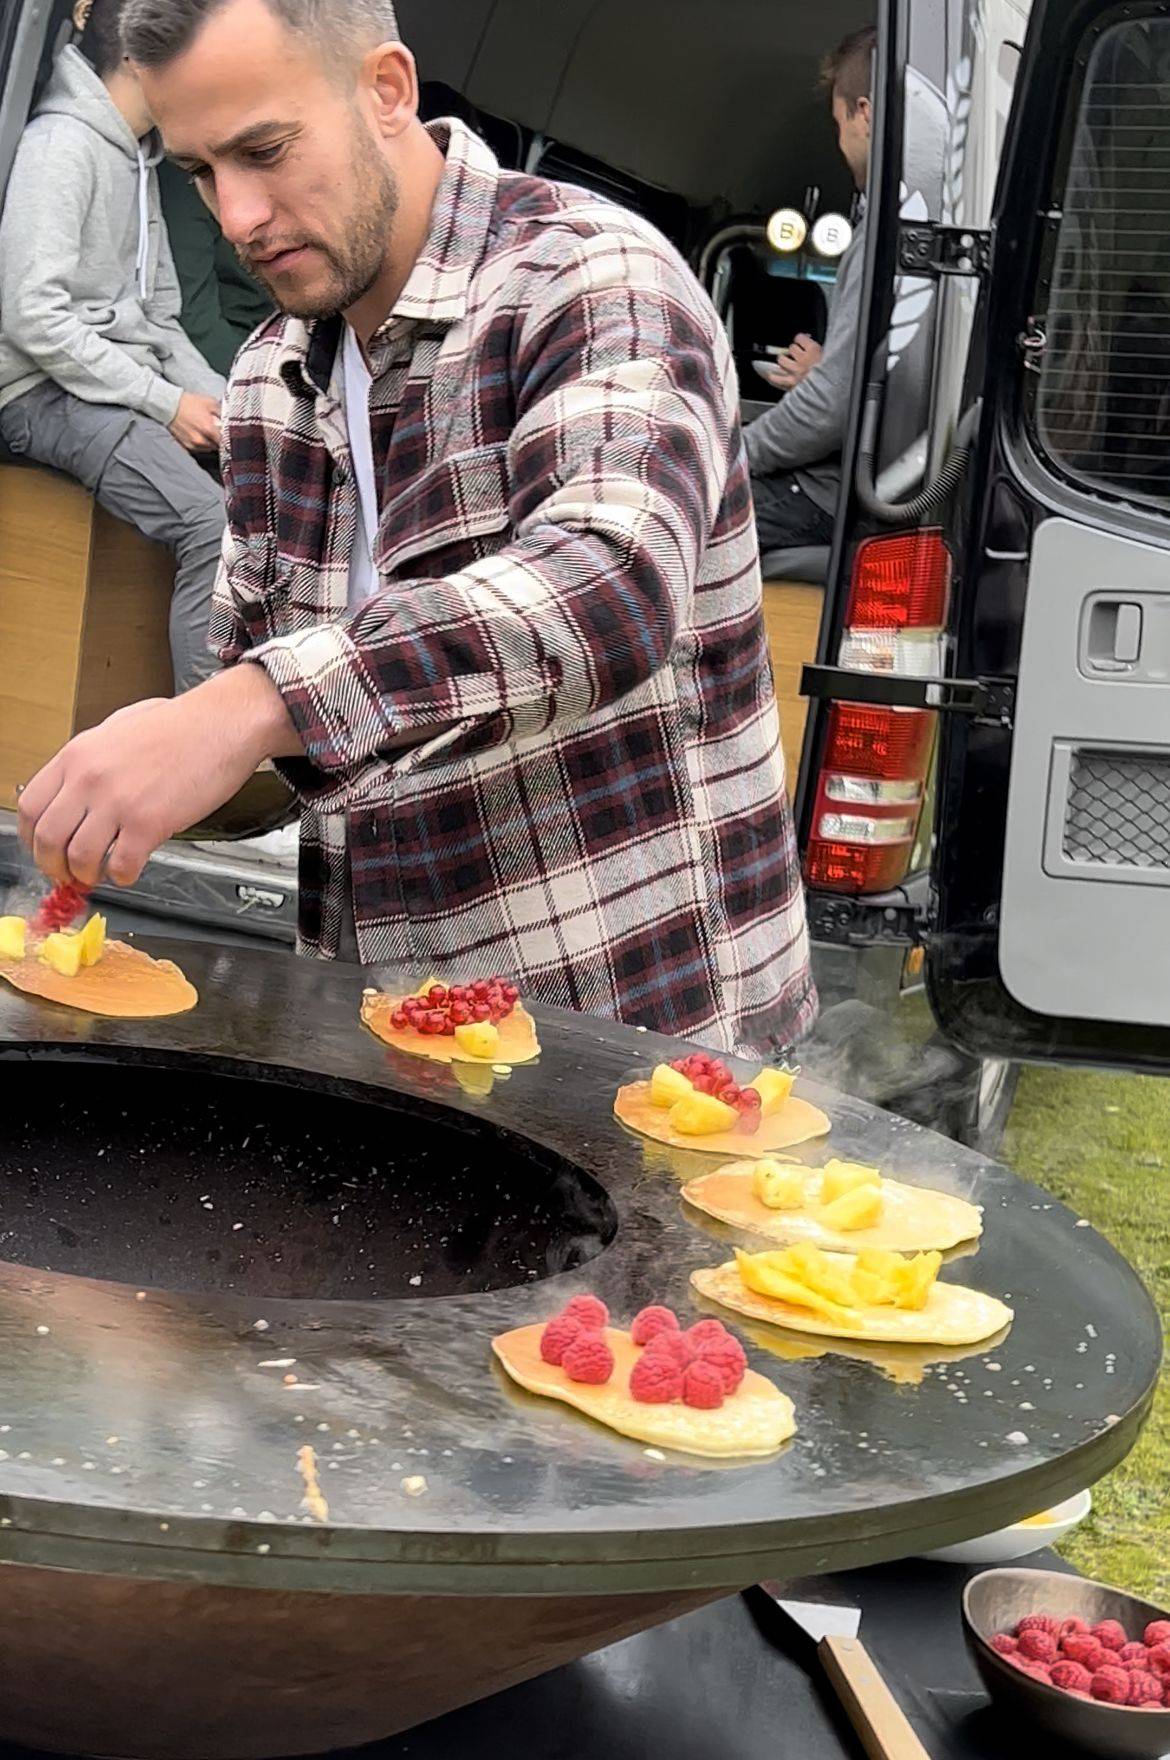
(1115, 635)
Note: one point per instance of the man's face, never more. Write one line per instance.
(853, 136)
(286, 154)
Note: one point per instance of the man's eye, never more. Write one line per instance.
(267, 155)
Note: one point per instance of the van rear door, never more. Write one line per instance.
(1051, 932)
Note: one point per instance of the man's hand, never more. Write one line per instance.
(196, 423)
(795, 363)
(107, 801)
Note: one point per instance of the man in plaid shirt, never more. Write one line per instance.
(490, 574)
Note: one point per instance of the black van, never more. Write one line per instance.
(981, 777)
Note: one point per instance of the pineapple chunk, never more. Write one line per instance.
(916, 1278)
(773, 1086)
(778, 1186)
(13, 937)
(767, 1274)
(839, 1177)
(478, 1039)
(815, 1269)
(860, 1208)
(668, 1085)
(93, 941)
(701, 1115)
(63, 953)
(875, 1276)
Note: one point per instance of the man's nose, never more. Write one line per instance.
(244, 210)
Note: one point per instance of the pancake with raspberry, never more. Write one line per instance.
(690, 1391)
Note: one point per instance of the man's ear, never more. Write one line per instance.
(392, 78)
(81, 12)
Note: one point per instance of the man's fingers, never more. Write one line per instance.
(36, 797)
(86, 855)
(126, 859)
(54, 831)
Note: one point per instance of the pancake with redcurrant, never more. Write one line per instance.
(46, 957)
(479, 1022)
(697, 1103)
(690, 1390)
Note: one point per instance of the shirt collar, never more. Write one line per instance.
(438, 288)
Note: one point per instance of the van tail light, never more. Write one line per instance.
(876, 761)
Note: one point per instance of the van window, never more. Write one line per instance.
(1102, 404)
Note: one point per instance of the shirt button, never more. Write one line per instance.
(342, 475)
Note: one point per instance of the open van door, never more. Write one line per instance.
(1051, 924)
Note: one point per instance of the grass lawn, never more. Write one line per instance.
(1101, 1142)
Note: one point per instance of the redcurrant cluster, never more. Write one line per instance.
(708, 1076)
(62, 907)
(447, 1006)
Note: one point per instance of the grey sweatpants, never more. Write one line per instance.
(138, 471)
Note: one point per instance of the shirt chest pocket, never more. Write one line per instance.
(455, 513)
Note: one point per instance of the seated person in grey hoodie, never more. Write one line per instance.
(794, 449)
(97, 378)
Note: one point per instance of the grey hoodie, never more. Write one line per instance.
(88, 292)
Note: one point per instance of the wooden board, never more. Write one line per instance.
(84, 605)
(792, 617)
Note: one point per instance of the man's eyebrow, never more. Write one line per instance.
(259, 134)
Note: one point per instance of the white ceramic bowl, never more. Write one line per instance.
(1021, 1538)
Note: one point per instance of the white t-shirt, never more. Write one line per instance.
(356, 384)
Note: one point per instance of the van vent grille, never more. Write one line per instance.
(1118, 810)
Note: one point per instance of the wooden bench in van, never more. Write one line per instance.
(84, 603)
(792, 616)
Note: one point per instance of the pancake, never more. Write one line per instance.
(755, 1420)
(794, 1122)
(126, 983)
(517, 1035)
(914, 1219)
(954, 1315)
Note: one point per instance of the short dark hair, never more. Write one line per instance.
(848, 72)
(101, 40)
(157, 31)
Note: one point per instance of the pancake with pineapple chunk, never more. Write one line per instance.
(450, 1031)
(789, 1203)
(879, 1296)
(82, 970)
(695, 1103)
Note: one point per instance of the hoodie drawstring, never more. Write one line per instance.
(143, 260)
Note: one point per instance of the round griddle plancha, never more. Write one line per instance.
(166, 1591)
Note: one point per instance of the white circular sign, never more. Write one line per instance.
(831, 235)
(787, 230)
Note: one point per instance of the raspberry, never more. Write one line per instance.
(587, 1311)
(1004, 1644)
(650, 1322)
(1038, 1622)
(1144, 1689)
(1071, 1628)
(1083, 1647)
(1037, 1670)
(656, 1380)
(705, 1332)
(728, 1357)
(1133, 1655)
(1165, 1693)
(588, 1358)
(1038, 1646)
(1160, 1660)
(1111, 1686)
(1111, 1633)
(674, 1346)
(1157, 1632)
(556, 1338)
(1070, 1677)
(702, 1386)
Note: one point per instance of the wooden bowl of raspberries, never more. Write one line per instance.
(1087, 1663)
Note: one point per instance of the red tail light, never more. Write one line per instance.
(876, 760)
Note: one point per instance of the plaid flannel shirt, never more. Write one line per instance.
(568, 630)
